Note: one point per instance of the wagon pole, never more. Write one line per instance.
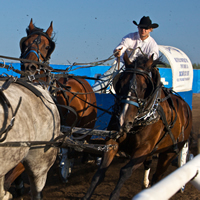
(77, 145)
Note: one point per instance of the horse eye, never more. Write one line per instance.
(47, 47)
(144, 89)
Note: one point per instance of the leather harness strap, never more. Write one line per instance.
(6, 104)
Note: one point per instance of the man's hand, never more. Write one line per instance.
(117, 52)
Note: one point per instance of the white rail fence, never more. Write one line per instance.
(167, 187)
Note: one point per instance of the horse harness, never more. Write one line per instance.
(150, 110)
(6, 104)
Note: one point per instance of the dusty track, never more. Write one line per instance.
(83, 173)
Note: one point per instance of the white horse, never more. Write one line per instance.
(27, 116)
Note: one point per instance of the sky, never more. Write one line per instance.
(88, 30)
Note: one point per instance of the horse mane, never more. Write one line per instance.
(141, 61)
(158, 61)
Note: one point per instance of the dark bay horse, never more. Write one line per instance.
(150, 120)
(28, 116)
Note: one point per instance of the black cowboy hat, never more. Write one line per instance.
(146, 23)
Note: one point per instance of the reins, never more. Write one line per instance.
(68, 90)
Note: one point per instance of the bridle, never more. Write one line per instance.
(147, 106)
(30, 49)
(139, 103)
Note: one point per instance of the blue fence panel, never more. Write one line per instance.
(166, 76)
(105, 101)
(10, 72)
(196, 81)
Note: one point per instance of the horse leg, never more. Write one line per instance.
(100, 173)
(164, 161)
(66, 164)
(4, 195)
(37, 165)
(125, 173)
(19, 186)
(182, 159)
(147, 163)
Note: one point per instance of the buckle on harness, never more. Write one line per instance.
(31, 78)
(12, 121)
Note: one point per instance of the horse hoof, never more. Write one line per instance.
(145, 186)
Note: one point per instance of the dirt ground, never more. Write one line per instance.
(83, 173)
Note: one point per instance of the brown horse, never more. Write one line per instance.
(80, 96)
(150, 120)
(37, 47)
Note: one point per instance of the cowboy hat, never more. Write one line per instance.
(146, 23)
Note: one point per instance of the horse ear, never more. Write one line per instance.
(149, 62)
(50, 30)
(126, 59)
(31, 26)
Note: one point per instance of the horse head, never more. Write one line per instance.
(135, 90)
(36, 46)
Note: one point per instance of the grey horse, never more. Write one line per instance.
(27, 115)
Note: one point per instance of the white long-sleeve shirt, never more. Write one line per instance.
(132, 41)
